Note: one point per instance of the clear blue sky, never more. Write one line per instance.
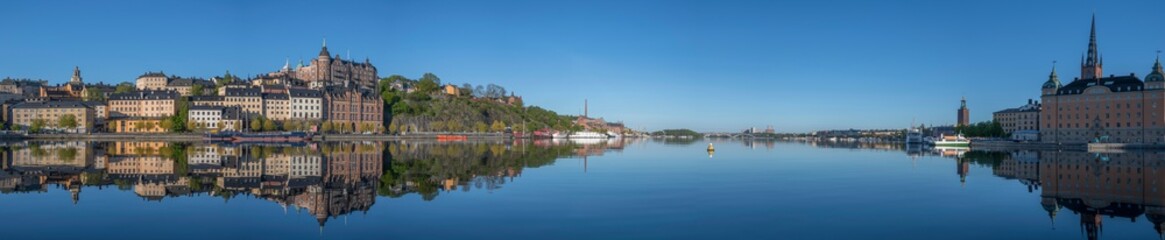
(705, 65)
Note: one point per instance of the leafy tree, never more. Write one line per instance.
(428, 83)
(124, 87)
(150, 125)
(480, 127)
(168, 124)
(197, 90)
(94, 95)
(67, 121)
(256, 124)
(269, 125)
(37, 125)
(495, 91)
(498, 126)
(393, 127)
(139, 125)
(327, 127)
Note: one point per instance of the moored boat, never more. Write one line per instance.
(951, 141)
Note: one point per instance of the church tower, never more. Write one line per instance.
(964, 114)
(76, 79)
(1091, 65)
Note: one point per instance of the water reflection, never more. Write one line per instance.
(327, 180)
(1116, 185)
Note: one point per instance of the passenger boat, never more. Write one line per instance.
(951, 141)
(587, 134)
(914, 135)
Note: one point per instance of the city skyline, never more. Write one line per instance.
(794, 66)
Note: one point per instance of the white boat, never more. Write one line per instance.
(914, 135)
(587, 134)
(613, 134)
(559, 135)
(951, 141)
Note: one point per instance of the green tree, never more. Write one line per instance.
(167, 124)
(67, 121)
(197, 90)
(269, 125)
(150, 125)
(428, 83)
(37, 125)
(480, 127)
(256, 124)
(139, 125)
(124, 87)
(393, 127)
(327, 127)
(498, 126)
(93, 94)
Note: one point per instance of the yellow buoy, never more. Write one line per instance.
(710, 148)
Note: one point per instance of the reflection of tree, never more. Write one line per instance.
(428, 168)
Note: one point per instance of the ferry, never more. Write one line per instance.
(914, 135)
(587, 134)
(951, 141)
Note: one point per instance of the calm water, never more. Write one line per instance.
(638, 189)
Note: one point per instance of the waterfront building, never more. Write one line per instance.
(215, 118)
(142, 104)
(326, 70)
(1022, 118)
(353, 108)
(306, 104)
(49, 115)
(276, 106)
(1109, 109)
(249, 99)
(964, 114)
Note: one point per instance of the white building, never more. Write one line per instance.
(306, 104)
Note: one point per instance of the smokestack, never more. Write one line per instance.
(585, 108)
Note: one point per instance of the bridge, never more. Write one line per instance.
(730, 135)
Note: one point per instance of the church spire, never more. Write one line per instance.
(76, 75)
(324, 51)
(1091, 66)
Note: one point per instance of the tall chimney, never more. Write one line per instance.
(585, 109)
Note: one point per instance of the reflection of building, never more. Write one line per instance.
(1112, 184)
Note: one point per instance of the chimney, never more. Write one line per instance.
(1029, 101)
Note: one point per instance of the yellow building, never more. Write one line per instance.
(136, 125)
(51, 116)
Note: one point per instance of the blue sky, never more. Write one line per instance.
(706, 65)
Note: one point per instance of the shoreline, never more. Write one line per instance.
(186, 137)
